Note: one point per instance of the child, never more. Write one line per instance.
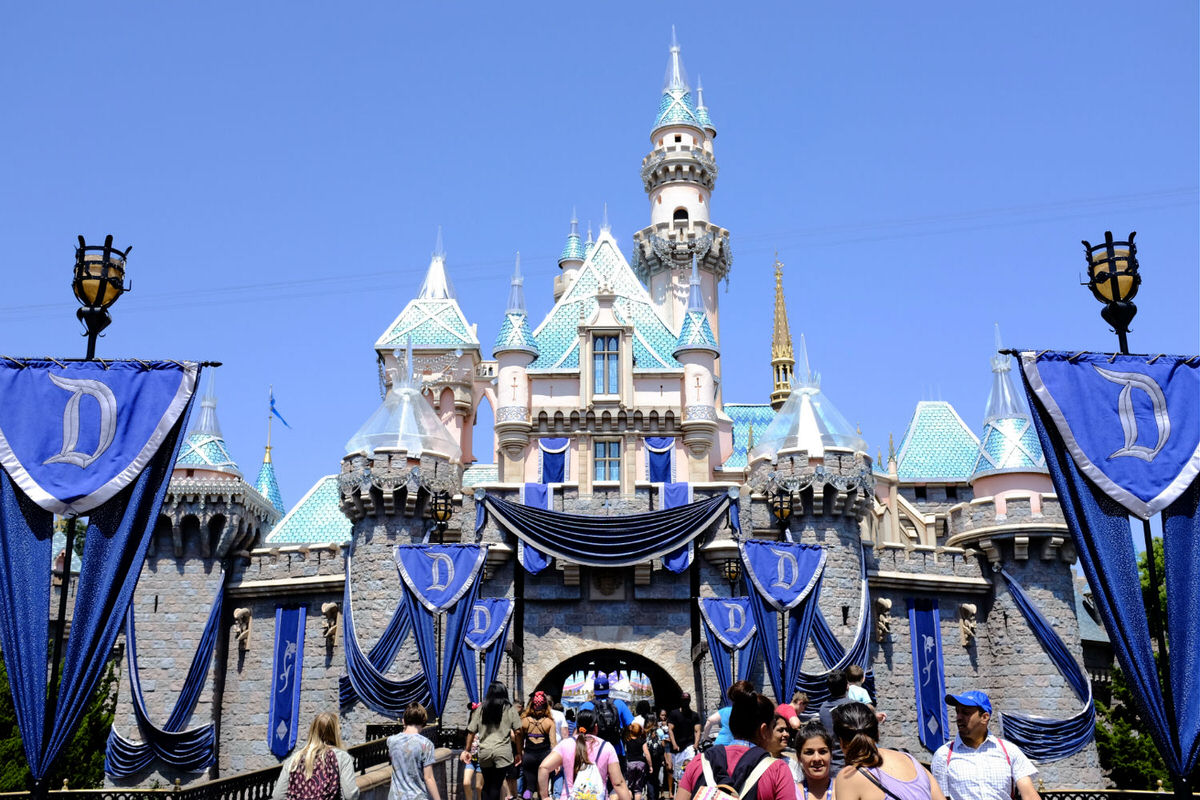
(637, 760)
(857, 693)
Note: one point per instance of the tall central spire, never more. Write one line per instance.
(676, 78)
(437, 284)
(783, 362)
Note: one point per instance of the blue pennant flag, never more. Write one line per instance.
(74, 434)
(489, 619)
(925, 634)
(1131, 425)
(439, 575)
(783, 572)
(275, 411)
(288, 664)
(730, 620)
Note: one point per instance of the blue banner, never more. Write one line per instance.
(438, 575)
(925, 634)
(74, 434)
(782, 572)
(1131, 425)
(489, 619)
(554, 459)
(674, 496)
(660, 457)
(533, 560)
(730, 620)
(287, 666)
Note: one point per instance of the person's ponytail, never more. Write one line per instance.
(584, 722)
(857, 728)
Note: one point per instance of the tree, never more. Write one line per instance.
(81, 762)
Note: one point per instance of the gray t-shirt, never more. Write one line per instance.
(410, 754)
(836, 758)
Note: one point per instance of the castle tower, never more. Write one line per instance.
(266, 484)
(782, 360)
(697, 350)
(679, 175)
(515, 349)
(570, 260)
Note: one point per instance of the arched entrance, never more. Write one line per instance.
(666, 689)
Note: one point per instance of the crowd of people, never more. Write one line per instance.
(751, 749)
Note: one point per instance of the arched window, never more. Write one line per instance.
(681, 214)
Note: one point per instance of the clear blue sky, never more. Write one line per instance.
(280, 169)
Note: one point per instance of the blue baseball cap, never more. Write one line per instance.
(600, 685)
(971, 699)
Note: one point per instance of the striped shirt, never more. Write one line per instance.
(980, 773)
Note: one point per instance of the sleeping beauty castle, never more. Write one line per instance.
(636, 520)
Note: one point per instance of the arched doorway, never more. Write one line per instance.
(666, 689)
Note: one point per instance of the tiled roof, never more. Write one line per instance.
(1009, 445)
(515, 334)
(207, 451)
(430, 323)
(316, 519)
(1089, 629)
(745, 416)
(696, 333)
(705, 120)
(557, 336)
(573, 249)
(480, 473)
(268, 487)
(676, 107)
(938, 446)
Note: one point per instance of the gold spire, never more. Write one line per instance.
(782, 361)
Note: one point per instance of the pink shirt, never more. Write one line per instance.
(598, 755)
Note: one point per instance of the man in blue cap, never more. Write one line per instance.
(977, 765)
(612, 716)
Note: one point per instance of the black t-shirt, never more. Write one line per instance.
(836, 758)
(685, 722)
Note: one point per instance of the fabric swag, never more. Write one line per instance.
(660, 458)
(553, 453)
(536, 495)
(674, 496)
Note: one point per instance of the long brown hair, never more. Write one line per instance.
(585, 720)
(324, 733)
(857, 728)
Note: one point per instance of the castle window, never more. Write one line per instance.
(920, 493)
(681, 215)
(678, 138)
(605, 370)
(606, 461)
(951, 492)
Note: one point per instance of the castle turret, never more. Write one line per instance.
(267, 485)
(679, 175)
(515, 349)
(570, 260)
(696, 348)
(782, 360)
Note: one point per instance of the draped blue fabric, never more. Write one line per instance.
(608, 541)
(468, 663)
(729, 629)
(719, 655)
(536, 495)
(122, 491)
(1116, 419)
(674, 496)
(440, 579)
(287, 668)
(834, 656)
(186, 751)
(486, 634)
(1042, 738)
(365, 673)
(659, 452)
(554, 459)
(747, 659)
(929, 678)
(382, 654)
(828, 648)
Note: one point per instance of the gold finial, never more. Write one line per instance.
(783, 362)
(859, 429)
(891, 448)
(750, 439)
(267, 456)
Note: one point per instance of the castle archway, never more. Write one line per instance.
(666, 689)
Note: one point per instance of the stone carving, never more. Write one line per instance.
(241, 628)
(512, 414)
(331, 611)
(701, 412)
(966, 623)
(883, 619)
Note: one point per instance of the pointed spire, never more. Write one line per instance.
(696, 332)
(695, 294)
(676, 106)
(805, 377)
(604, 226)
(676, 77)
(266, 483)
(436, 285)
(781, 340)
(702, 110)
(516, 294)
(573, 249)
(208, 424)
(1009, 442)
(205, 446)
(590, 244)
(1004, 402)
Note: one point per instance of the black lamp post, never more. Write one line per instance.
(731, 569)
(99, 280)
(1113, 278)
(781, 508)
(441, 509)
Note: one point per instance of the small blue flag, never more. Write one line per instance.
(275, 411)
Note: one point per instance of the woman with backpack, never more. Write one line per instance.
(322, 769)
(495, 725)
(745, 765)
(540, 735)
(588, 762)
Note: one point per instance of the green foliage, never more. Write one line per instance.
(81, 762)
(1127, 753)
(1160, 567)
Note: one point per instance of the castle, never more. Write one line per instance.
(618, 384)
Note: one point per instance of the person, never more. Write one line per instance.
(746, 764)
(793, 712)
(835, 681)
(495, 724)
(656, 743)
(560, 720)
(570, 715)
(683, 727)
(976, 764)
(667, 784)
(411, 754)
(637, 760)
(813, 749)
(642, 714)
(322, 768)
(612, 716)
(717, 725)
(472, 776)
(857, 692)
(539, 733)
(873, 772)
(780, 736)
(586, 758)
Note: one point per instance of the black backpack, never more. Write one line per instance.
(608, 721)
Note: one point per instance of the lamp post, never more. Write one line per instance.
(781, 508)
(441, 509)
(99, 281)
(1113, 278)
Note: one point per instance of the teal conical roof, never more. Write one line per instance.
(205, 447)
(702, 111)
(695, 333)
(573, 249)
(1009, 443)
(676, 106)
(267, 485)
(515, 333)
